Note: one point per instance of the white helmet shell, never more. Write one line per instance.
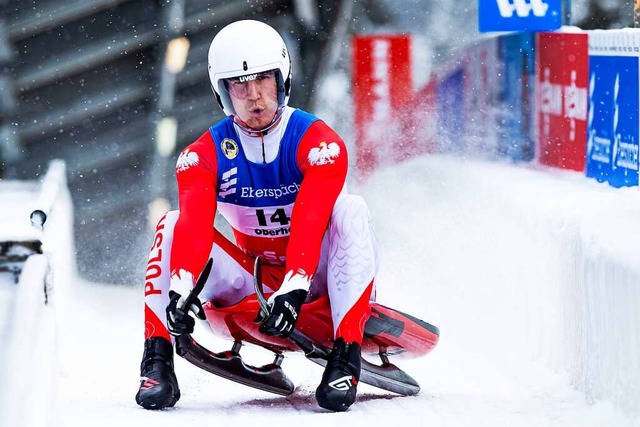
(244, 48)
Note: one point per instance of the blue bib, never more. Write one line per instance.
(244, 183)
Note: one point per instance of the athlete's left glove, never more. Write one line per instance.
(180, 322)
(283, 314)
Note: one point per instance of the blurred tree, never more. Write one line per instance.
(607, 14)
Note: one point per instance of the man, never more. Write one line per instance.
(277, 175)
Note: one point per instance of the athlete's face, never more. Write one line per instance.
(254, 98)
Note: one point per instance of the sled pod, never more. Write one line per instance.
(387, 330)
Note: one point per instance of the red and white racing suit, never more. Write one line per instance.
(283, 194)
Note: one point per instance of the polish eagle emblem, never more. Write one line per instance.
(186, 160)
(324, 154)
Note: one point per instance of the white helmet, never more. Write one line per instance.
(244, 48)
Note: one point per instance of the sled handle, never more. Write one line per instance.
(310, 348)
(257, 286)
(197, 288)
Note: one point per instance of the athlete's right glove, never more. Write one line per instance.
(180, 322)
(283, 313)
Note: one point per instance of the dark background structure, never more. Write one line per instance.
(86, 81)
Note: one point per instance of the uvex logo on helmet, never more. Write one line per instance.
(248, 78)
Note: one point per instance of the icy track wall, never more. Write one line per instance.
(27, 377)
(566, 100)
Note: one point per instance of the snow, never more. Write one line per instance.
(14, 222)
(453, 234)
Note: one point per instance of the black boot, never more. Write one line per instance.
(158, 382)
(337, 390)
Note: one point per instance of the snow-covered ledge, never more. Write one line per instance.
(27, 383)
(53, 183)
(518, 266)
(574, 274)
(583, 298)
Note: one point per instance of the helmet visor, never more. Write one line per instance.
(269, 84)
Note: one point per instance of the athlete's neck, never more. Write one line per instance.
(259, 132)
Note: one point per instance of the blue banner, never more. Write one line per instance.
(519, 15)
(515, 119)
(612, 133)
(450, 107)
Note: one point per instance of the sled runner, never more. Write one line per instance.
(387, 332)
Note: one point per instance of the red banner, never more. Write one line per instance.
(562, 74)
(419, 123)
(382, 86)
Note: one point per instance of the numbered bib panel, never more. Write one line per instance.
(270, 221)
(260, 231)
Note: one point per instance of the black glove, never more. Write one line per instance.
(178, 321)
(284, 314)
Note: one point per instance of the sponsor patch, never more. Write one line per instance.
(229, 148)
(275, 193)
